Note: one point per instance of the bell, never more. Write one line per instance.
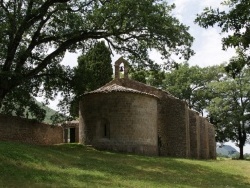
(121, 69)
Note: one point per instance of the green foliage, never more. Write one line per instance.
(44, 113)
(139, 75)
(49, 114)
(20, 103)
(237, 63)
(93, 71)
(191, 84)
(229, 110)
(34, 36)
(48, 84)
(73, 165)
(236, 19)
(153, 77)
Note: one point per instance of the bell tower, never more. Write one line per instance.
(119, 68)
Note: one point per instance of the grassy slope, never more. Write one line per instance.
(72, 165)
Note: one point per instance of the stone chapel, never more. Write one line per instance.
(128, 116)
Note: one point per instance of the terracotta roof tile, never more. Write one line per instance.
(117, 88)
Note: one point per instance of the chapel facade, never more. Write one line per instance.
(128, 116)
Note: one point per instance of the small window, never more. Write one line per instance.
(106, 130)
(103, 129)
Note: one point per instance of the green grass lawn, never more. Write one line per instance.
(73, 165)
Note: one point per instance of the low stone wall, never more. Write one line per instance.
(29, 131)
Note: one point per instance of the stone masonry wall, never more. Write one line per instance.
(66, 126)
(194, 128)
(204, 146)
(211, 140)
(181, 133)
(29, 131)
(173, 125)
(130, 117)
(173, 122)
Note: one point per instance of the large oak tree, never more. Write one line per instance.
(35, 34)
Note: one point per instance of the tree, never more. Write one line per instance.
(34, 35)
(139, 75)
(152, 76)
(191, 84)
(93, 71)
(229, 111)
(235, 20)
(237, 63)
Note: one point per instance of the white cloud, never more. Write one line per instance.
(207, 44)
(70, 59)
(208, 49)
(208, 3)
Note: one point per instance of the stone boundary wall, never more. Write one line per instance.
(29, 131)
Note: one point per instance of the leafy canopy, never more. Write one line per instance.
(35, 34)
(93, 71)
(234, 20)
(229, 110)
(191, 84)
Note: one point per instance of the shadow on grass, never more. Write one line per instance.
(73, 165)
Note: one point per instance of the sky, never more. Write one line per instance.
(207, 44)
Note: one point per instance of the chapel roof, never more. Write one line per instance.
(117, 88)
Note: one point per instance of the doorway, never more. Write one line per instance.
(72, 135)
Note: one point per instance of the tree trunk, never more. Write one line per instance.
(241, 152)
(242, 140)
(2, 95)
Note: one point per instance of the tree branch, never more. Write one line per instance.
(34, 42)
(4, 7)
(28, 22)
(62, 48)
